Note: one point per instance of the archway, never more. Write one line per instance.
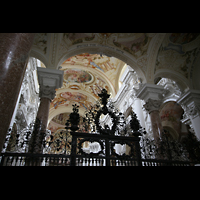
(181, 81)
(41, 57)
(105, 50)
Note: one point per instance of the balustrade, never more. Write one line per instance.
(104, 146)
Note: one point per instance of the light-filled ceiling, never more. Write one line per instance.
(85, 75)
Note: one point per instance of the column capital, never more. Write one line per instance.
(49, 80)
(190, 101)
(47, 92)
(152, 104)
(150, 91)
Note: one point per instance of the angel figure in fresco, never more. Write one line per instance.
(73, 78)
(67, 95)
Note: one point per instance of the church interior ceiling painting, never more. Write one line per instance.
(121, 63)
(86, 73)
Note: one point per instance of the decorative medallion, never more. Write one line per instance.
(77, 76)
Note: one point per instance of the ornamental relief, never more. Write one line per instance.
(152, 105)
(40, 41)
(193, 110)
(135, 44)
(142, 62)
(170, 59)
(177, 52)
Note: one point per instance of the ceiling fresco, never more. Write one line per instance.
(68, 98)
(94, 61)
(151, 55)
(85, 75)
(61, 118)
(92, 70)
(58, 123)
(77, 76)
(79, 37)
(174, 51)
(133, 43)
(177, 52)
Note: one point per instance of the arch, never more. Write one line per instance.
(102, 49)
(180, 80)
(63, 109)
(99, 74)
(119, 75)
(152, 53)
(34, 53)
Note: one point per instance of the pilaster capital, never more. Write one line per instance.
(49, 80)
(152, 104)
(190, 101)
(150, 91)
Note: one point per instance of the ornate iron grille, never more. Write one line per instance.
(103, 145)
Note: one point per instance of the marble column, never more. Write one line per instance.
(152, 95)
(14, 54)
(152, 106)
(49, 80)
(139, 112)
(190, 102)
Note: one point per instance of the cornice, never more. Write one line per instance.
(190, 101)
(49, 80)
(148, 91)
(50, 77)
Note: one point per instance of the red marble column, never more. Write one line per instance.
(14, 54)
(49, 80)
(43, 112)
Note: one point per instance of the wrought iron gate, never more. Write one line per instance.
(97, 144)
(93, 145)
(103, 142)
(104, 154)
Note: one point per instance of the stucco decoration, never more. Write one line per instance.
(183, 38)
(40, 41)
(177, 53)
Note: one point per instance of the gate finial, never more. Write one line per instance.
(74, 119)
(104, 97)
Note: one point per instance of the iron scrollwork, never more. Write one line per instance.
(104, 110)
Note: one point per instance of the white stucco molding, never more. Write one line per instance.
(150, 91)
(190, 101)
(49, 80)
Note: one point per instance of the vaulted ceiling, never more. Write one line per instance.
(94, 60)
